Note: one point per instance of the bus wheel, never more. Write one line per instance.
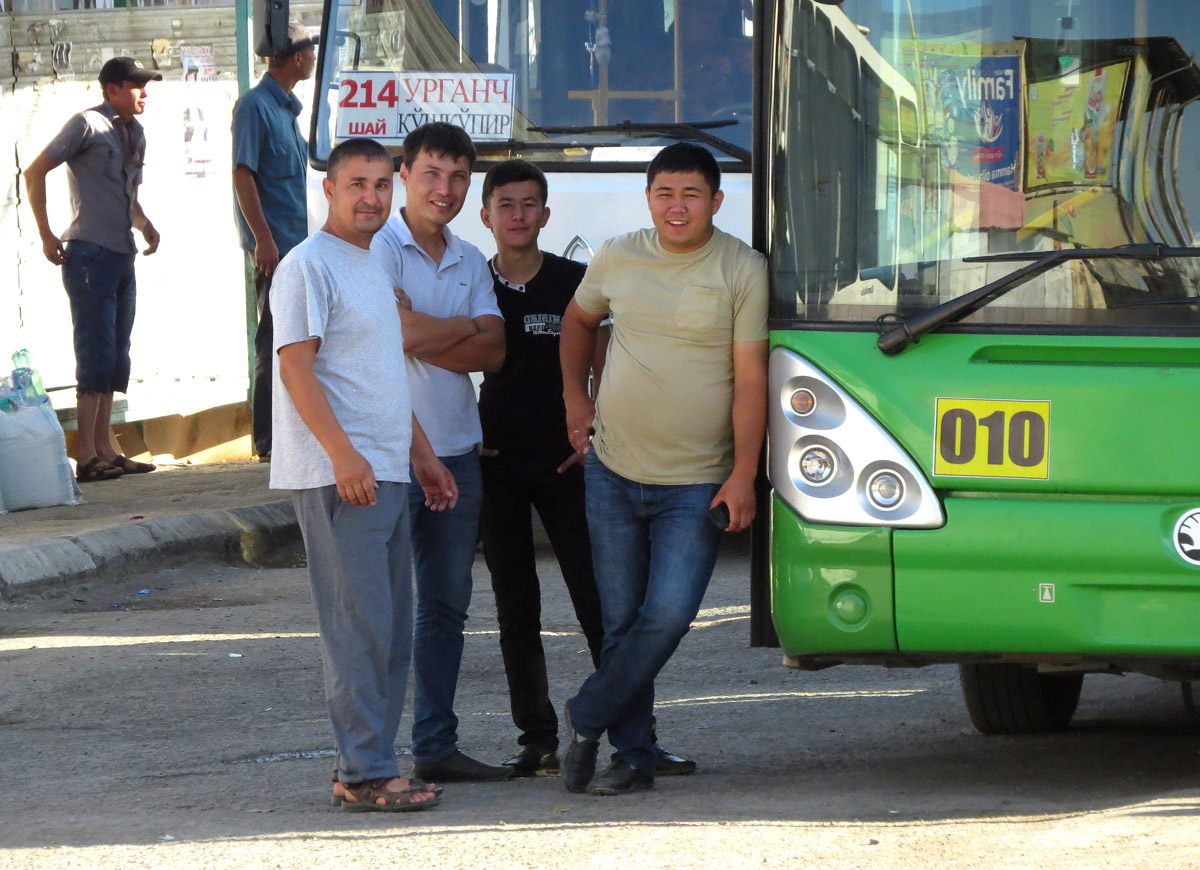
(1016, 699)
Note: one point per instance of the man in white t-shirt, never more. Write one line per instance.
(345, 434)
(452, 326)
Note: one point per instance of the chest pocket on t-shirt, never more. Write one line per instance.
(697, 309)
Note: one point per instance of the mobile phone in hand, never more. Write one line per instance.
(719, 516)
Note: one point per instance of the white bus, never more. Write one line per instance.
(596, 88)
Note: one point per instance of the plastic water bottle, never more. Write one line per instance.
(8, 395)
(26, 382)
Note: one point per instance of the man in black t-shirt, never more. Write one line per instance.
(528, 461)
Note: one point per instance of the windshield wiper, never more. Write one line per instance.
(696, 132)
(899, 337)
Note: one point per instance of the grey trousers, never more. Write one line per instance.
(360, 567)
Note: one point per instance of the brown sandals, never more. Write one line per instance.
(386, 795)
(131, 466)
(339, 790)
(97, 469)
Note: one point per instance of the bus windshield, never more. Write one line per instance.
(575, 82)
(910, 142)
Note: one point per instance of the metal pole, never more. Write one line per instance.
(245, 29)
(245, 68)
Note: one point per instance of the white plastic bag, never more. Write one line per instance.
(34, 471)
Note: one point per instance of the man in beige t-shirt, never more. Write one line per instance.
(678, 427)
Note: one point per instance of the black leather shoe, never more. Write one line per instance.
(534, 761)
(460, 767)
(619, 778)
(579, 761)
(668, 764)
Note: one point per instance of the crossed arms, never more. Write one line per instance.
(458, 344)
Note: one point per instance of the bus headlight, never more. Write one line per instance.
(832, 462)
(817, 465)
(885, 489)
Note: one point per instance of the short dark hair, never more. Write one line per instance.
(686, 157)
(438, 137)
(510, 172)
(343, 151)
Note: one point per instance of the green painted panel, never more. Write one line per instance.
(1053, 575)
(1121, 421)
(831, 587)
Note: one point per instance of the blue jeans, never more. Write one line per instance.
(100, 285)
(443, 553)
(653, 549)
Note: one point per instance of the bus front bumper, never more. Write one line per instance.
(1053, 580)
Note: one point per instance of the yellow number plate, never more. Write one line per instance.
(992, 438)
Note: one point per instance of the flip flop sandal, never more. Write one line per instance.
(339, 790)
(130, 466)
(97, 469)
(373, 795)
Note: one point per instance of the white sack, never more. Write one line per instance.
(34, 471)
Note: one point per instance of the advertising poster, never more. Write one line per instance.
(973, 108)
(387, 106)
(198, 63)
(1071, 124)
(198, 66)
(1090, 217)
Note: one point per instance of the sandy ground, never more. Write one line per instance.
(133, 737)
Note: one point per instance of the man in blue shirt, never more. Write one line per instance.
(269, 186)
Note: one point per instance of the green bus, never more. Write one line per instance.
(985, 333)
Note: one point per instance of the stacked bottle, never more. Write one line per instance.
(25, 387)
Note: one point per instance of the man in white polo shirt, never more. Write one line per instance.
(452, 326)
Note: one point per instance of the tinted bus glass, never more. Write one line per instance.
(911, 135)
(576, 64)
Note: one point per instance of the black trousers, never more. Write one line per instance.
(264, 337)
(511, 487)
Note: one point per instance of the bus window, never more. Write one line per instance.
(1016, 134)
(579, 68)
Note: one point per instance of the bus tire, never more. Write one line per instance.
(1016, 699)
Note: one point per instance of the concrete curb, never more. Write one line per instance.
(243, 534)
